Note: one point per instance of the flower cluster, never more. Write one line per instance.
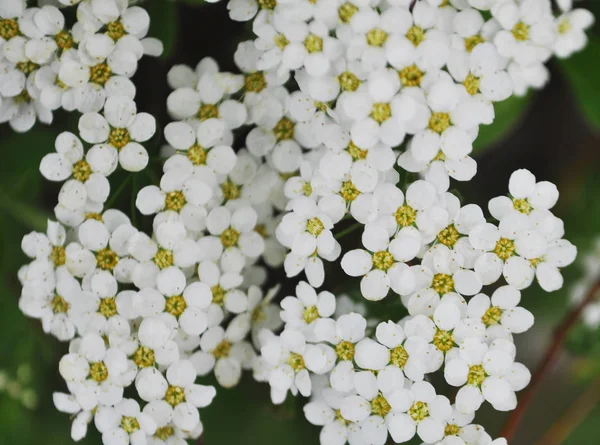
(47, 65)
(389, 100)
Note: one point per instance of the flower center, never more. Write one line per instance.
(197, 155)
(443, 340)
(449, 236)
(229, 237)
(355, 152)
(255, 82)
(521, 205)
(376, 37)
(164, 432)
(405, 215)
(296, 361)
(82, 171)
(381, 112)
(492, 316)
(476, 375)
(451, 430)
(208, 111)
(267, 4)
(129, 424)
(108, 307)
(314, 226)
(411, 76)
(258, 315)
(9, 28)
(175, 395)
(58, 256)
(218, 295)
(348, 191)
(313, 43)
(175, 201)
(416, 35)
(119, 138)
(163, 258)
(439, 122)
(419, 411)
(144, 357)
(310, 314)
(98, 372)
(521, 31)
(307, 189)
(505, 248)
(94, 216)
(99, 74)
(64, 40)
(281, 41)
(383, 260)
(23, 97)
(230, 190)
(222, 350)
(27, 67)
(345, 350)
(106, 259)
(472, 42)
(380, 406)
(59, 305)
(346, 11)
(115, 30)
(175, 305)
(261, 229)
(471, 84)
(348, 81)
(564, 26)
(284, 129)
(442, 283)
(399, 356)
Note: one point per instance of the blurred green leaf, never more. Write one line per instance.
(508, 115)
(163, 23)
(583, 70)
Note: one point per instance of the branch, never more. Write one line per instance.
(549, 359)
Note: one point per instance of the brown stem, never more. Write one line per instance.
(549, 359)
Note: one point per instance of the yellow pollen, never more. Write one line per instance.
(175, 305)
(307, 189)
(451, 430)
(106, 259)
(175, 201)
(99, 74)
(419, 411)
(261, 229)
(521, 205)
(535, 261)
(380, 406)
(267, 4)
(208, 111)
(376, 37)
(381, 112)
(218, 295)
(348, 81)
(58, 256)
(119, 138)
(27, 67)
(284, 129)
(442, 283)
(521, 31)
(258, 315)
(443, 340)
(163, 258)
(281, 41)
(230, 190)
(296, 361)
(197, 154)
(440, 156)
(345, 350)
(144, 357)
(416, 35)
(229, 237)
(313, 43)
(439, 122)
(399, 356)
(23, 97)
(383, 260)
(108, 307)
(348, 191)
(82, 171)
(175, 395)
(115, 30)
(405, 215)
(492, 316)
(98, 372)
(505, 248)
(471, 84)
(411, 76)
(355, 152)
(222, 350)
(164, 432)
(9, 28)
(59, 305)
(93, 215)
(346, 11)
(472, 42)
(449, 236)
(564, 26)
(314, 226)
(64, 40)
(255, 82)
(130, 424)
(310, 314)
(476, 375)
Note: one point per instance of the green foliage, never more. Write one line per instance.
(163, 25)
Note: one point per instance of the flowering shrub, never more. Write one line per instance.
(347, 118)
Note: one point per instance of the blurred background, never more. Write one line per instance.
(555, 133)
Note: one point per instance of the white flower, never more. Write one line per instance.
(570, 28)
(307, 307)
(122, 129)
(124, 423)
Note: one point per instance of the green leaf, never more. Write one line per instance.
(509, 114)
(583, 71)
(163, 23)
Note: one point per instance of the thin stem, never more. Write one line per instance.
(118, 192)
(575, 415)
(350, 229)
(549, 359)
